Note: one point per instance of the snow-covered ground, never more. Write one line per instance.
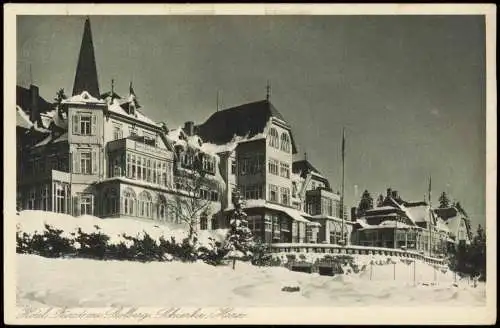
(91, 283)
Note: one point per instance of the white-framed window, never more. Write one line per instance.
(273, 193)
(145, 205)
(285, 196)
(208, 164)
(276, 226)
(233, 166)
(128, 200)
(60, 198)
(285, 170)
(86, 204)
(268, 223)
(274, 139)
(273, 166)
(285, 142)
(84, 124)
(214, 195)
(117, 132)
(86, 162)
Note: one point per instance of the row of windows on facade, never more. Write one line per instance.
(274, 140)
(276, 192)
(255, 165)
(56, 198)
(299, 233)
(408, 239)
(325, 206)
(149, 137)
(207, 162)
(140, 167)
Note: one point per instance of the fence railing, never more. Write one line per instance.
(353, 250)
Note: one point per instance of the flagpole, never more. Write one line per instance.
(430, 217)
(343, 181)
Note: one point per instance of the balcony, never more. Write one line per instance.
(138, 144)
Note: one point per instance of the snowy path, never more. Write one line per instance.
(89, 283)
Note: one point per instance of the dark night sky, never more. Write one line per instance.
(410, 90)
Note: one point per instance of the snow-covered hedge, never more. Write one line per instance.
(59, 235)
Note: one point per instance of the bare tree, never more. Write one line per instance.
(194, 199)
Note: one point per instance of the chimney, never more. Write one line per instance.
(189, 128)
(389, 192)
(34, 110)
(395, 194)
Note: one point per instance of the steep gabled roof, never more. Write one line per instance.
(244, 120)
(303, 167)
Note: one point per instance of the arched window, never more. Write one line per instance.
(128, 201)
(274, 138)
(285, 142)
(162, 208)
(145, 208)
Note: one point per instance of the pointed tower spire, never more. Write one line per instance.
(86, 70)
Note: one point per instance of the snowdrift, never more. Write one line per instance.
(34, 221)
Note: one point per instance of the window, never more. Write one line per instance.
(285, 142)
(267, 223)
(162, 208)
(273, 193)
(60, 201)
(204, 194)
(45, 198)
(86, 162)
(117, 132)
(145, 205)
(203, 223)
(214, 195)
(252, 191)
(111, 201)
(128, 202)
(86, 204)
(133, 130)
(31, 199)
(285, 196)
(84, 124)
(208, 164)
(285, 170)
(273, 166)
(233, 166)
(276, 226)
(274, 138)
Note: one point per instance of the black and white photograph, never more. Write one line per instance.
(200, 165)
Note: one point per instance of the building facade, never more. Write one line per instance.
(99, 154)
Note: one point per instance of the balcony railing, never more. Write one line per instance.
(352, 249)
(137, 145)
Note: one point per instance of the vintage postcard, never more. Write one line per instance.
(236, 164)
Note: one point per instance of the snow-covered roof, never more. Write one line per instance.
(388, 224)
(116, 107)
(233, 143)
(380, 208)
(83, 98)
(22, 119)
(421, 213)
(293, 213)
(51, 139)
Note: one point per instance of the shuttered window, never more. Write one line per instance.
(84, 124)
